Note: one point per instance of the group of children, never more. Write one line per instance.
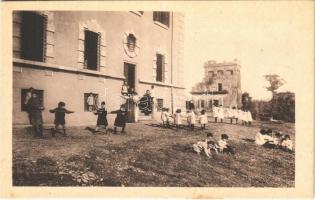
(264, 138)
(101, 125)
(192, 118)
(220, 113)
(178, 116)
(270, 139)
(210, 145)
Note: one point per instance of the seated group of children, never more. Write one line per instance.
(191, 118)
(209, 145)
(266, 138)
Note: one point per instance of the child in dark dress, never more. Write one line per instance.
(101, 119)
(60, 121)
(120, 120)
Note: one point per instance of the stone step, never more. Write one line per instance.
(144, 118)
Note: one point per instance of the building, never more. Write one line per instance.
(66, 55)
(221, 85)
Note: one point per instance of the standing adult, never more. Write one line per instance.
(28, 96)
(35, 110)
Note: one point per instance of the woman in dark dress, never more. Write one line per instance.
(120, 120)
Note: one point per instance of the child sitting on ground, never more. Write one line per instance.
(277, 138)
(223, 145)
(120, 120)
(262, 137)
(203, 119)
(287, 144)
(60, 121)
(206, 146)
(165, 117)
(191, 119)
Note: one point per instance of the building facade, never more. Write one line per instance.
(221, 85)
(68, 55)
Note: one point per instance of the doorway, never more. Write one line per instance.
(130, 74)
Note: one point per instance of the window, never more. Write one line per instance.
(219, 86)
(162, 17)
(160, 60)
(160, 104)
(33, 33)
(220, 72)
(210, 73)
(202, 103)
(230, 72)
(91, 50)
(90, 102)
(39, 93)
(131, 42)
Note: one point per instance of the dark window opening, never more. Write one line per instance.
(91, 50)
(33, 33)
(202, 103)
(216, 103)
(131, 42)
(160, 60)
(162, 17)
(40, 96)
(219, 87)
(160, 104)
(90, 103)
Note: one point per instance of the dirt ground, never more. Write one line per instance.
(148, 155)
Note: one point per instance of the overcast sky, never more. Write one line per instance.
(266, 37)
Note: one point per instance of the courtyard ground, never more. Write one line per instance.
(148, 155)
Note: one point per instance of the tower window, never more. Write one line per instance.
(162, 17)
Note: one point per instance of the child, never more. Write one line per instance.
(235, 114)
(221, 113)
(191, 119)
(178, 118)
(223, 146)
(277, 139)
(60, 121)
(165, 117)
(287, 144)
(206, 146)
(249, 118)
(124, 89)
(101, 118)
(90, 102)
(262, 137)
(120, 120)
(203, 119)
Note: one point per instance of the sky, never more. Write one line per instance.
(266, 37)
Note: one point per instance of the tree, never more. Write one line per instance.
(275, 82)
(246, 101)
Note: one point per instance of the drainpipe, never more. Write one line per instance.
(172, 95)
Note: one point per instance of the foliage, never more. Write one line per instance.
(283, 106)
(275, 82)
(246, 101)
